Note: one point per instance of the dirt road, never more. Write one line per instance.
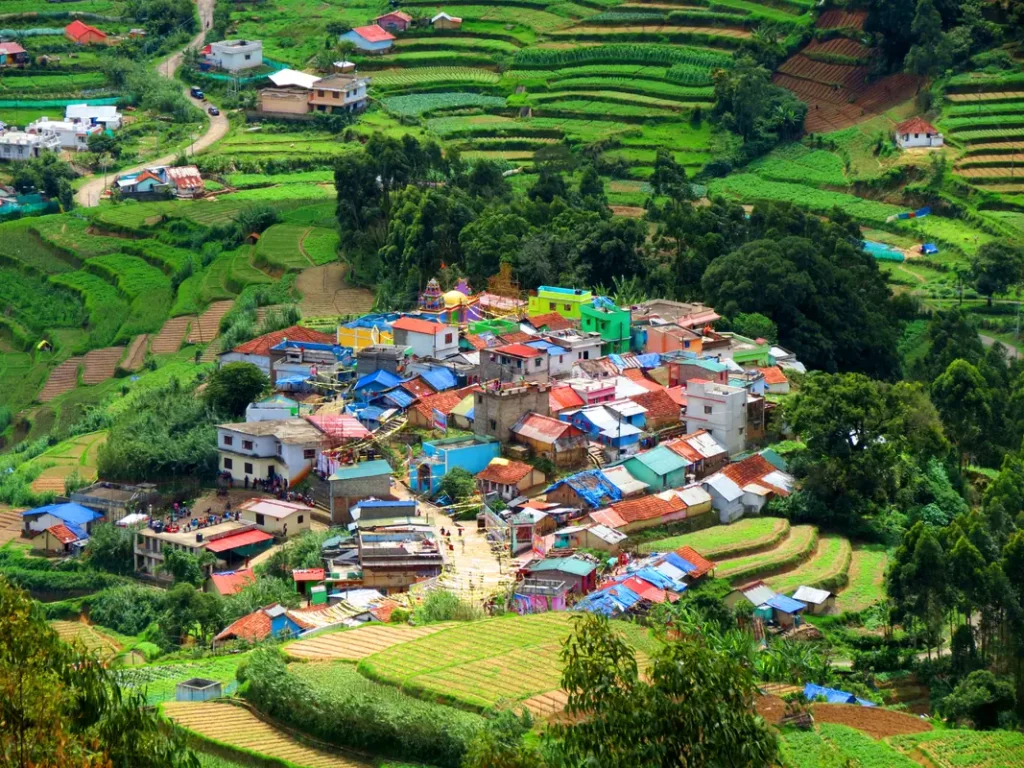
(89, 194)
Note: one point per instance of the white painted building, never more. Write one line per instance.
(917, 132)
(106, 116)
(73, 134)
(235, 55)
(427, 339)
(719, 409)
(18, 145)
(266, 449)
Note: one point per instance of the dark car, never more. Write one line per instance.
(196, 93)
(213, 111)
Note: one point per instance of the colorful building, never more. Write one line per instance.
(472, 453)
(565, 301)
(611, 322)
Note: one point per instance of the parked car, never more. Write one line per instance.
(196, 93)
(213, 111)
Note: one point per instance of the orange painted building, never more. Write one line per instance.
(83, 34)
(673, 338)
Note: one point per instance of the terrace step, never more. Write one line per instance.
(100, 364)
(171, 335)
(62, 379)
(206, 327)
(136, 354)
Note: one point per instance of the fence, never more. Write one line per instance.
(153, 699)
(47, 103)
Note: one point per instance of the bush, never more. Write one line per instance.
(127, 610)
(442, 605)
(365, 716)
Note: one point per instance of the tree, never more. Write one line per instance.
(499, 744)
(232, 387)
(928, 55)
(754, 325)
(191, 613)
(591, 183)
(749, 104)
(980, 698)
(487, 181)
(100, 143)
(61, 707)
(964, 400)
(496, 235)
(694, 709)
(128, 609)
(669, 178)
(998, 265)
(916, 581)
(549, 185)
(111, 549)
(457, 484)
(185, 567)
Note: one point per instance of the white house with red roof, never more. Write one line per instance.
(257, 351)
(427, 338)
(370, 39)
(917, 132)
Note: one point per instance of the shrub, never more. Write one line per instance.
(127, 610)
(442, 605)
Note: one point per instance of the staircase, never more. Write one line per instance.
(596, 454)
(320, 490)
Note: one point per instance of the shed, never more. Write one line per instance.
(198, 689)
(444, 21)
(818, 601)
(786, 611)
(370, 39)
(659, 467)
(582, 574)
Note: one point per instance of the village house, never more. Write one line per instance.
(78, 518)
(226, 583)
(281, 518)
(564, 301)
(703, 455)
(745, 487)
(339, 93)
(673, 338)
(444, 21)
(63, 538)
(509, 479)
(385, 511)
(267, 450)
(609, 321)
(659, 468)
(12, 55)
(564, 398)
(629, 486)
(378, 357)
(472, 453)
(231, 543)
(657, 509)
(662, 411)
(273, 621)
(720, 410)
(426, 338)
(581, 574)
(818, 601)
(73, 135)
(283, 101)
(81, 33)
(234, 55)
(395, 21)
(521, 529)
(498, 407)
(433, 411)
(775, 381)
(515, 363)
(550, 438)
(18, 145)
(369, 39)
(350, 485)
(394, 557)
(786, 612)
(593, 391)
(589, 489)
(616, 425)
(917, 132)
(95, 114)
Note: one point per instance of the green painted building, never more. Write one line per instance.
(611, 322)
(568, 302)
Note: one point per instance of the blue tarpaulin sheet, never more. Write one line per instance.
(379, 380)
(439, 378)
(786, 604)
(609, 601)
(399, 398)
(834, 696)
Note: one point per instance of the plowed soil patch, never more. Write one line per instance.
(875, 722)
(100, 364)
(985, 96)
(544, 705)
(240, 728)
(171, 335)
(10, 524)
(62, 379)
(206, 327)
(357, 643)
(326, 294)
(840, 19)
(136, 354)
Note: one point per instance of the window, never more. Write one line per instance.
(229, 440)
(536, 363)
(248, 56)
(447, 338)
(228, 463)
(309, 453)
(320, 92)
(586, 355)
(494, 424)
(707, 409)
(300, 520)
(260, 519)
(552, 305)
(280, 449)
(567, 307)
(686, 345)
(247, 445)
(519, 363)
(248, 468)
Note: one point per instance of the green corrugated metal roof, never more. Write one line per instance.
(566, 565)
(661, 460)
(365, 469)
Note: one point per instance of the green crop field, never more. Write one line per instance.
(158, 681)
(19, 241)
(321, 245)
(424, 103)
(965, 748)
(827, 568)
(107, 310)
(803, 165)
(743, 536)
(69, 233)
(279, 248)
(792, 550)
(404, 78)
(864, 588)
(838, 746)
(481, 663)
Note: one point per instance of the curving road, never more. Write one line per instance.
(89, 194)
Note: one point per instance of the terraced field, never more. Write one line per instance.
(794, 549)
(721, 541)
(358, 643)
(955, 749)
(827, 568)
(91, 638)
(79, 454)
(238, 727)
(865, 579)
(279, 248)
(985, 116)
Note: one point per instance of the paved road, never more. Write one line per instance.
(89, 194)
(1011, 351)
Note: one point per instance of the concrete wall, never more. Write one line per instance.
(277, 525)
(721, 410)
(429, 344)
(496, 412)
(345, 494)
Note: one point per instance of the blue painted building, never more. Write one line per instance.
(373, 384)
(617, 425)
(472, 454)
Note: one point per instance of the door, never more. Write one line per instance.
(424, 477)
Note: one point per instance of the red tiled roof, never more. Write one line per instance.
(11, 48)
(645, 589)
(635, 374)
(690, 555)
(678, 394)
(519, 350)
(373, 33)
(607, 517)
(339, 426)
(230, 582)
(505, 472)
(243, 539)
(751, 470)
(383, 611)
(252, 627)
(516, 337)
(311, 574)
(643, 381)
(916, 125)
(261, 344)
(396, 15)
(647, 507)
(563, 398)
(476, 341)
(443, 401)
(682, 447)
(77, 29)
(418, 387)
(62, 533)
(774, 375)
(552, 320)
(414, 324)
(659, 404)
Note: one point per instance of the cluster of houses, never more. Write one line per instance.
(300, 93)
(378, 38)
(70, 134)
(183, 181)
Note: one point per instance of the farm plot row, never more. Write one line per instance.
(496, 125)
(984, 96)
(984, 109)
(720, 36)
(839, 46)
(425, 103)
(961, 748)
(746, 535)
(358, 643)
(832, 75)
(611, 97)
(827, 568)
(839, 18)
(619, 54)
(637, 85)
(835, 746)
(400, 78)
(954, 125)
(794, 549)
(864, 579)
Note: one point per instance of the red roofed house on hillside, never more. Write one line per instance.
(422, 412)
(775, 381)
(917, 132)
(230, 582)
(83, 34)
(427, 339)
(552, 439)
(662, 410)
(12, 54)
(257, 351)
(273, 621)
(370, 39)
(656, 509)
(704, 566)
(398, 21)
(186, 181)
(509, 479)
(703, 454)
(563, 398)
(552, 321)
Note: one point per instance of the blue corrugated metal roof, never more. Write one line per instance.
(609, 601)
(399, 398)
(649, 360)
(78, 530)
(592, 486)
(374, 321)
(786, 604)
(385, 379)
(439, 378)
(370, 413)
(387, 503)
(658, 579)
(547, 346)
(67, 513)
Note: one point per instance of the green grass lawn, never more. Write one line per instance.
(867, 570)
(727, 540)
